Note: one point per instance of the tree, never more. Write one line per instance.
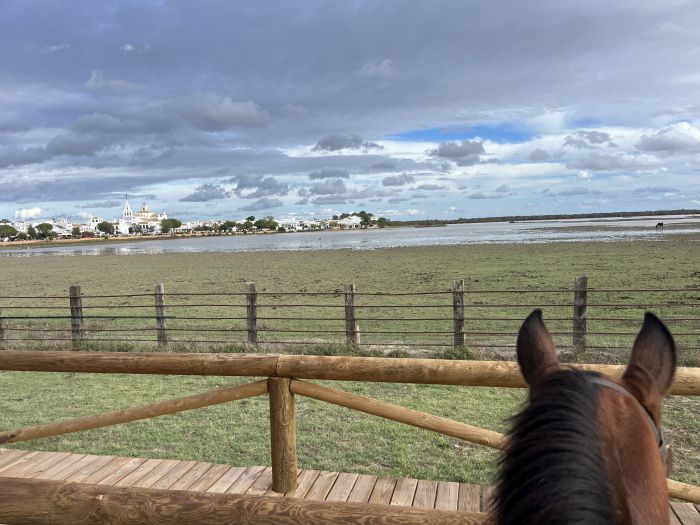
(266, 223)
(366, 218)
(228, 225)
(251, 218)
(136, 229)
(44, 230)
(247, 225)
(106, 227)
(75, 232)
(31, 232)
(7, 231)
(168, 224)
(383, 222)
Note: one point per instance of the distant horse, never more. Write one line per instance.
(659, 225)
(588, 449)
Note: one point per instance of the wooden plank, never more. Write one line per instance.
(687, 513)
(246, 480)
(86, 466)
(322, 486)
(65, 468)
(342, 487)
(404, 492)
(192, 475)
(37, 460)
(226, 480)
(210, 477)
(105, 471)
(305, 479)
(18, 460)
(173, 475)
(469, 498)
(426, 492)
(38, 468)
(122, 471)
(487, 499)
(262, 484)
(154, 475)
(382, 491)
(672, 517)
(447, 496)
(9, 455)
(139, 472)
(362, 490)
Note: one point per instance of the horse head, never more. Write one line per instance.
(588, 448)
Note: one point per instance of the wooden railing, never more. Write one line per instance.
(580, 317)
(287, 376)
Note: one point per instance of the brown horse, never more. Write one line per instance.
(588, 449)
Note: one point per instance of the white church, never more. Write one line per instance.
(143, 220)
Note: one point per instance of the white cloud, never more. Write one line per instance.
(585, 175)
(414, 211)
(97, 80)
(681, 137)
(28, 213)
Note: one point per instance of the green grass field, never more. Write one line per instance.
(332, 438)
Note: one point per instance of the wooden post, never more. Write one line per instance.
(458, 312)
(580, 297)
(283, 435)
(76, 314)
(352, 331)
(3, 328)
(251, 301)
(161, 325)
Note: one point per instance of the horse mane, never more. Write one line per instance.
(553, 470)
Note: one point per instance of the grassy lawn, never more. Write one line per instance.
(333, 438)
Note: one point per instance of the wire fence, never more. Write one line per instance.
(579, 318)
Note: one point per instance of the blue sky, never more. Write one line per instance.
(440, 109)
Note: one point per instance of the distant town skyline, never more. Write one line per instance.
(446, 109)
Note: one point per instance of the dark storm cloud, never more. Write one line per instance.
(339, 142)
(260, 186)
(398, 180)
(206, 193)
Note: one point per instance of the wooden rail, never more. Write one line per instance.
(34, 501)
(370, 369)
(285, 374)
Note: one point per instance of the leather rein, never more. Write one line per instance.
(660, 439)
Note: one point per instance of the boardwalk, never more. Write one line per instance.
(207, 477)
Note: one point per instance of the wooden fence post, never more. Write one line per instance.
(458, 312)
(76, 314)
(352, 331)
(580, 299)
(161, 325)
(3, 328)
(251, 301)
(283, 435)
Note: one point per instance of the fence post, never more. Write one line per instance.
(458, 312)
(3, 328)
(352, 331)
(251, 302)
(76, 314)
(161, 325)
(283, 435)
(580, 299)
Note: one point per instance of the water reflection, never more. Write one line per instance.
(456, 234)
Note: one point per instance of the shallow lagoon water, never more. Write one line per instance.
(572, 230)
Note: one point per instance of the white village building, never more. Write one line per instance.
(145, 220)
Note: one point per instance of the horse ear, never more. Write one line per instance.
(653, 359)
(535, 350)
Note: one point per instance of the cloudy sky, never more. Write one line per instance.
(220, 109)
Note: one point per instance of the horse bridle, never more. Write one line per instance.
(660, 439)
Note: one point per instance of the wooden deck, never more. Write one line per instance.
(208, 477)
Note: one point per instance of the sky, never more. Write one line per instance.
(409, 110)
